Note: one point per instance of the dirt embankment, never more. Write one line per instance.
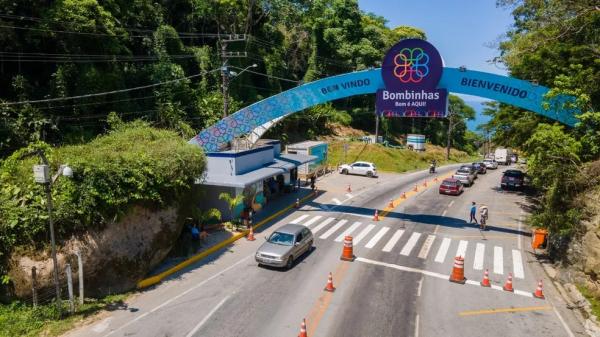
(114, 258)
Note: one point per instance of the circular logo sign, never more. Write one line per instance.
(412, 63)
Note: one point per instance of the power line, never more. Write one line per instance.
(267, 75)
(108, 92)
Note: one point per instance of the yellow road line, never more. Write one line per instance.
(504, 310)
(150, 281)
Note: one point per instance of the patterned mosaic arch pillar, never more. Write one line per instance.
(509, 90)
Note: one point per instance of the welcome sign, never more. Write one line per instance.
(411, 71)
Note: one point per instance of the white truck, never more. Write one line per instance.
(503, 156)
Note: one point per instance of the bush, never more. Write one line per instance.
(135, 164)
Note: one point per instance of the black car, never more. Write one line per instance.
(480, 167)
(513, 179)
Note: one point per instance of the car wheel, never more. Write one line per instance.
(309, 247)
(290, 263)
(370, 174)
(344, 171)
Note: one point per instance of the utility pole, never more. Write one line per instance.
(225, 56)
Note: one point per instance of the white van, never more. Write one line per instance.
(503, 156)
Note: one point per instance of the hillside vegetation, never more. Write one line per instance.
(134, 164)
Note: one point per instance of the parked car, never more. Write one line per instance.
(481, 168)
(451, 186)
(360, 167)
(470, 168)
(512, 179)
(490, 164)
(284, 246)
(465, 175)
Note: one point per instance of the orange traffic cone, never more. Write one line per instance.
(329, 287)
(458, 271)
(486, 279)
(347, 254)
(538, 293)
(297, 204)
(403, 195)
(424, 184)
(508, 285)
(349, 189)
(303, 329)
(435, 179)
(250, 236)
(391, 204)
(376, 216)
(416, 189)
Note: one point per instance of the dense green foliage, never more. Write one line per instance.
(557, 44)
(76, 47)
(133, 164)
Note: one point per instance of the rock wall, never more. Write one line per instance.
(114, 258)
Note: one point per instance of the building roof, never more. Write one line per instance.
(305, 144)
(297, 159)
(243, 180)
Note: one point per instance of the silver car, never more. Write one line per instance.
(284, 246)
(465, 175)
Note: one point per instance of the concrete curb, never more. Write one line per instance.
(150, 281)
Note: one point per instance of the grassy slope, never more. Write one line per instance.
(392, 160)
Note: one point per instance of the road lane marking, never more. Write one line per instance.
(451, 203)
(390, 244)
(333, 229)
(564, 324)
(502, 310)
(462, 248)
(417, 325)
(444, 212)
(348, 231)
(420, 286)
(377, 237)
(312, 221)
(498, 260)
(322, 225)
(443, 250)
(201, 284)
(362, 234)
(410, 244)
(437, 227)
(426, 247)
(478, 261)
(300, 219)
(322, 303)
(337, 201)
(439, 276)
(517, 264)
(350, 196)
(206, 318)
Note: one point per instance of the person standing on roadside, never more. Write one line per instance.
(473, 212)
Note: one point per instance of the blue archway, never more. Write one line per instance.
(519, 93)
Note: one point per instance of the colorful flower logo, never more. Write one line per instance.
(411, 65)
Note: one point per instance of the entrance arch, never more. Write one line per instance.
(509, 90)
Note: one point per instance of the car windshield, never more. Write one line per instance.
(463, 171)
(516, 174)
(283, 239)
(449, 183)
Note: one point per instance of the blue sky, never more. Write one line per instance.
(460, 29)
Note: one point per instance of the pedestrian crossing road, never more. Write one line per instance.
(415, 244)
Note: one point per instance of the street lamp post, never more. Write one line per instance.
(451, 124)
(42, 175)
(226, 80)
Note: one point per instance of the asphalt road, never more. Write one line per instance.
(398, 285)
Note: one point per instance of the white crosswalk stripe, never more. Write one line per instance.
(410, 244)
(312, 221)
(333, 229)
(300, 219)
(479, 252)
(462, 248)
(392, 242)
(426, 247)
(498, 260)
(362, 234)
(322, 225)
(517, 264)
(377, 237)
(348, 231)
(443, 250)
